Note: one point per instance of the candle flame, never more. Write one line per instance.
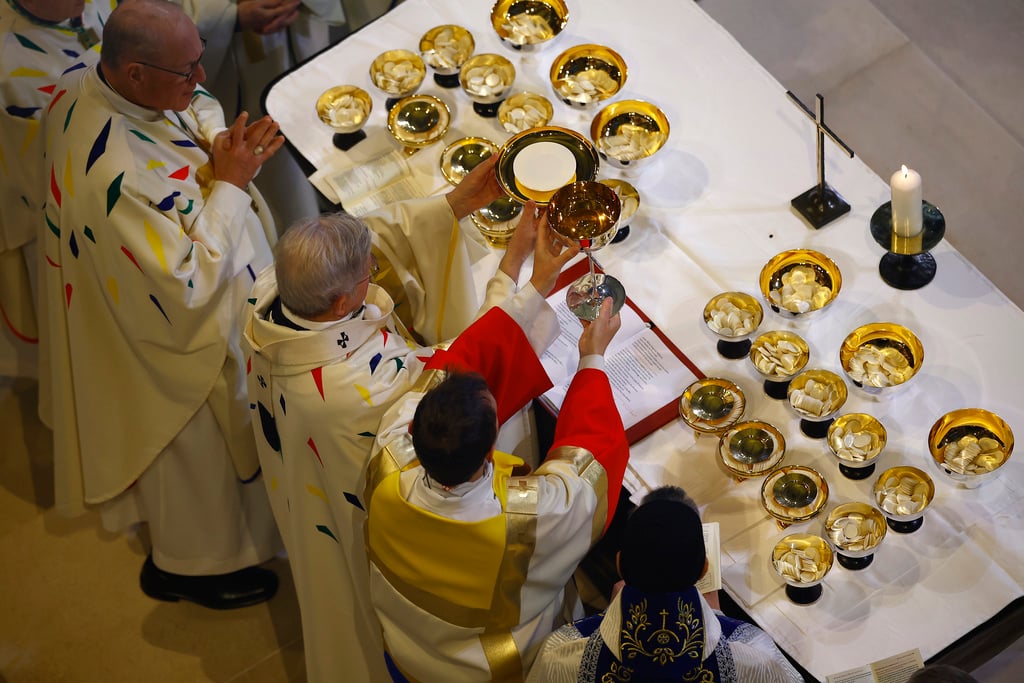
(904, 170)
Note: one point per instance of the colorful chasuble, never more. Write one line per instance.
(149, 264)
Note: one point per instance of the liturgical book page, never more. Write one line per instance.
(644, 373)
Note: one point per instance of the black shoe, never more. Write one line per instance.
(249, 586)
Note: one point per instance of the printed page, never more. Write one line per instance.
(644, 373)
(896, 669)
(370, 185)
(712, 580)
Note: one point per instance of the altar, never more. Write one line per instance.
(715, 207)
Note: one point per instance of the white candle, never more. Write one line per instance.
(907, 210)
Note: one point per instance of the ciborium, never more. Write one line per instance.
(345, 108)
(463, 155)
(487, 79)
(627, 134)
(800, 282)
(587, 212)
(751, 448)
(970, 445)
(498, 220)
(445, 49)
(816, 395)
(733, 317)
(802, 561)
(855, 530)
(527, 26)
(712, 405)
(794, 493)
(585, 75)
(856, 439)
(903, 494)
(418, 121)
(777, 356)
(398, 74)
(523, 111)
(879, 356)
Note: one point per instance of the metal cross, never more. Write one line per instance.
(821, 204)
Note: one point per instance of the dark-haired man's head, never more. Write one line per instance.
(662, 549)
(455, 427)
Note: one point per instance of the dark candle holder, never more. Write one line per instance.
(733, 350)
(346, 141)
(816, 429)
(857, 473)
(488, 111)
(907, 265)
(777, 390)
(447, 80)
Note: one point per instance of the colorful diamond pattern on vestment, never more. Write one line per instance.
(316, 491)
(99, 147)
(53, 226)
(112, 288)
(54, 189)
(114, 192)
(56, 98)
(315, 451)
(352, 498)
(26, 43)
(67, 117)
(365, 394)
(73, 244)
(67, 294)
(155, 244)
(284, 411)
(159, 307)
(399, 363)
(88, 233)
(167, 203)
(326, 531)
(48, 89)
(21, 112)
(141, 136)
(374, 362)
(180, 174)
(127, 252)
(318, 378)
(369, 434)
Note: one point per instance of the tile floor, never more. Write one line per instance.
(932, 83)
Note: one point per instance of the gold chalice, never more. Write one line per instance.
(881, 355)
(970, 445)
(794, 493)
(627, 133)
(903, 494)
(778, 355)
(397, 73)
(345, 108)
(523, 111)
(855, 530)
(800, 282)
(712, 405)
(856, 439)
(418, 121)
(498, 220)
(487, 79)
(803, 561)
(585, 75)
(445, 49)
(816, 395)
(751, 448)
(733, 317)
(527, 26)
(587, 213)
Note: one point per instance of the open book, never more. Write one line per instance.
(368, 186)
(646, 370)
(896, 669)
(712, 579)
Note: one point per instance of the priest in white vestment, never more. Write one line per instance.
(471, 561)
(39, 39)
(154, 235)
(328, 356)
(659, 627)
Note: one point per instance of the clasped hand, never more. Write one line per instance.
(239, 151)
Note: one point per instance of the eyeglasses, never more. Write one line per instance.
(374, 269)
(187, 75)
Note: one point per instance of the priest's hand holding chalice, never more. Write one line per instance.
(587, 213)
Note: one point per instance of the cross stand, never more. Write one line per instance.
(821, 204)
